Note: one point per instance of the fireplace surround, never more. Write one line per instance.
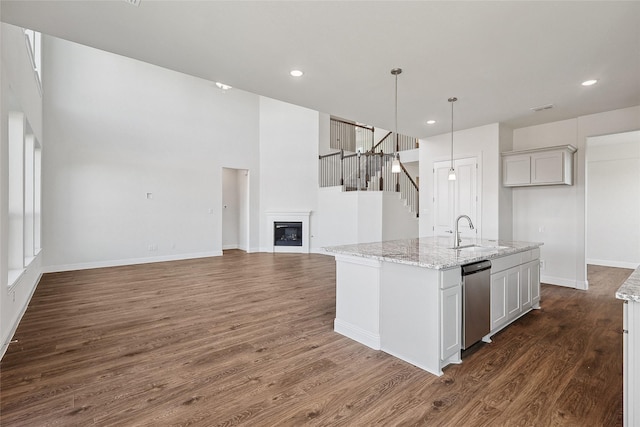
(288, 231)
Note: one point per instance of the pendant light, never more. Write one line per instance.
(452, 171)
(395, 164)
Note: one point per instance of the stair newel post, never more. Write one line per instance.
(382, 170)
(367, 168)
(373, 141)
(358, 154)
(341, 166)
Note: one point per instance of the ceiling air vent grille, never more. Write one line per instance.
(133, 2)
(542, 107)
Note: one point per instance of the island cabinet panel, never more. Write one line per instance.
(421, 315)
(630, 367)
(358, 300)
(498, 300)
(451, 324)
(513, 293)
(515, 287)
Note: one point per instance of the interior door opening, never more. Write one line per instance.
(235, 209)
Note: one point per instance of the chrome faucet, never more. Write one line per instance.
(456, 234)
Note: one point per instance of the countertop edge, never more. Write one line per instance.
(630, 289)
(510, 249)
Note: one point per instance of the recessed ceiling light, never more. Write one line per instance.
(223, 86)
(589, 82)
(296, 73)
(430, 122)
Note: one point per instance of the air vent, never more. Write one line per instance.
(133, 2)
(542, 107)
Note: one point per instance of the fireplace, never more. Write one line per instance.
(287, 233)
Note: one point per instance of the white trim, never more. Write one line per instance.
(14, 327)
(131, 261)
(234, 246)
(559, 281)
(356, 333)
(609, 263)
(14, 277)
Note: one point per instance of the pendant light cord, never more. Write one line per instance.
(452, 100)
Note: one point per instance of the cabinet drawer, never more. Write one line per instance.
(506, 262)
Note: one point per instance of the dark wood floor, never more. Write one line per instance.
(247, 339)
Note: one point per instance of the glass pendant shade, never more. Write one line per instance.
(395, 165)
(452, 174)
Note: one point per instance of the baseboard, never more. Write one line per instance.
(130, 261)
(356, 333)
(609, 263)
(23, 310)
(568, 283)
(225, 247)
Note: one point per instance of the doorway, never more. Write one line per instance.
(612, 206)
(235, 209)
(453, 198)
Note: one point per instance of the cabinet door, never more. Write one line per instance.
(525, 286)
(547, 167)
(450, 323)
(498, 299)
(453, 198)
(513, 293)
(535, 283)
(516, 170)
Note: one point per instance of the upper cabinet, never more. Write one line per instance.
(539, 166)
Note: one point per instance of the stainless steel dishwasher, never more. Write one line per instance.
(476, 302)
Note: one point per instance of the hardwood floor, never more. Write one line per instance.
(247, 339)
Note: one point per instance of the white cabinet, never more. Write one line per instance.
(541, 166)
(498, 300)
(450, 325)
(515, 287)
(630, 365)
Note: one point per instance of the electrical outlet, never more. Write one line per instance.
(153, 248)
(542, 264)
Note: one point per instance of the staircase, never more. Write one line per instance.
(369, 170)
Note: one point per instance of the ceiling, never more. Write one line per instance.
(499, 59)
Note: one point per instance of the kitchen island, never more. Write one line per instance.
(404, 297)
(629, 292)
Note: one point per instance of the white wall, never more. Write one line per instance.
(613, 213)
(289, 141)
(19, 92)
(347, 217)
(117, 129)
(484, 144)
(556, 215)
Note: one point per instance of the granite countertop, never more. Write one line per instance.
(432, 252)
(630, 289)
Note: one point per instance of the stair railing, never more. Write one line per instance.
(349, 136)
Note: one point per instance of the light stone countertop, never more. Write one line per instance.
(432, 252)
(630, 289)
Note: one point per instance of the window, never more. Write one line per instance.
(15, 233)
(34, 48)
(25, 160)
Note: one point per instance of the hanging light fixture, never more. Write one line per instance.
(395, 164)
(452, 171)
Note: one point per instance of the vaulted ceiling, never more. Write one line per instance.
(499, 58)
